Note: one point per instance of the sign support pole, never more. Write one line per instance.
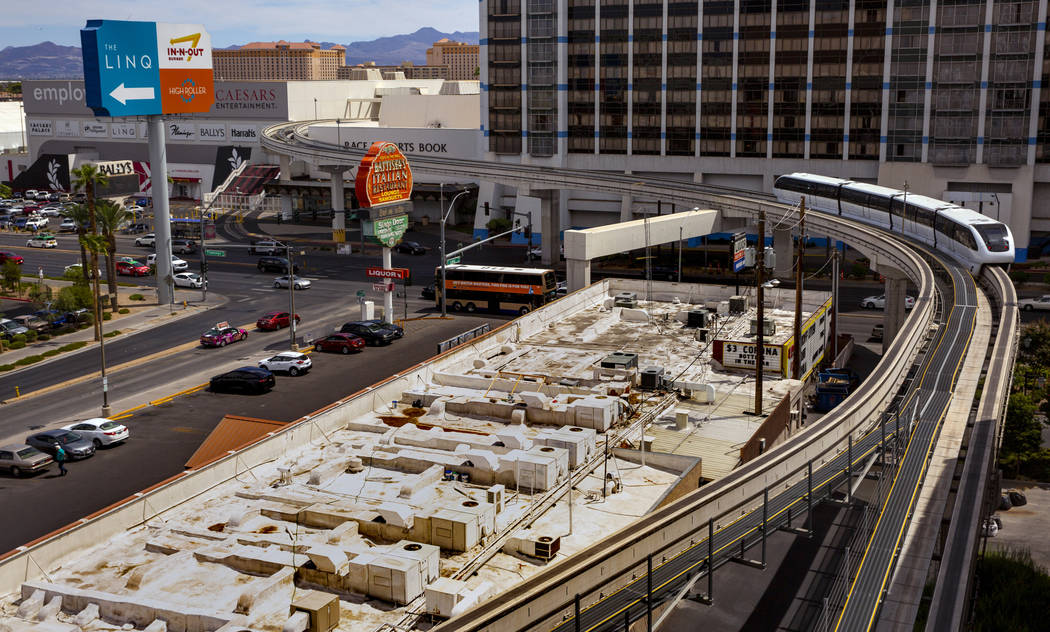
(158, 161)
(388, 294)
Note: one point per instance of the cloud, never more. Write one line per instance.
(241, 21)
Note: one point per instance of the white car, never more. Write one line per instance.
(267, 247)
(1041, 303)
(76, 268)
(67, 225)
(42, 241)
(188, 279)
(36, 223)
(879, 302)
(51, 211)
(100, 431)
(177, 265)
(290, 362)
(300, 282)
(148, 240)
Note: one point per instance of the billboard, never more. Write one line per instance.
(739, 246)
(383, 176)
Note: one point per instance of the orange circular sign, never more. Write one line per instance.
(383, 176)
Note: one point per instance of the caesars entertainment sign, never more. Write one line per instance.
(384, 185)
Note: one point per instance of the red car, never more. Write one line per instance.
(275, 320)
(219, 336)
(6, 256)
(132, 268)
(343, 343)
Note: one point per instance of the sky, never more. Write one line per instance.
(241, 21)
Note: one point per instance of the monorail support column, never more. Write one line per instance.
(550, 220)
(896, 288)
(338, 205)
(626, 203)
(578, 273)
(782, 246)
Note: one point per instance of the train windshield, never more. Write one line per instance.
(995, 236)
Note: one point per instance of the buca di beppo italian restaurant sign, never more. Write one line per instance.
(383, 176)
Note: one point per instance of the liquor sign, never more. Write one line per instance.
(383, 176)
(739, 246)
(146, 68)
(388, 273)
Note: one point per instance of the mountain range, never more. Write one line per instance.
(48, 60)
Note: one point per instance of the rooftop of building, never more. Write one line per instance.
(390, 509)
(282, 44)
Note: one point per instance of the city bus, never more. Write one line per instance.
(495, 288)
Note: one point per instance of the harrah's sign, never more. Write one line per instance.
(383, 176)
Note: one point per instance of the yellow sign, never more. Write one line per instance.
(383, 176)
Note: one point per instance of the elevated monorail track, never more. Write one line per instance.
(636, 570)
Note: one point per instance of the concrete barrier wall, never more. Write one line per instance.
(30, 562)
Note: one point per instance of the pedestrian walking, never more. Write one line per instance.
(60, 457)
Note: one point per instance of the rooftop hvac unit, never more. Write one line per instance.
(698, 318)
(652, 378)
(737, 304)
(702, 334)
(322, 607)
(620, 360)
(625, 299)
(769, 328)
(543, 547)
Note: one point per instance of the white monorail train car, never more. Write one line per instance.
(965, 235)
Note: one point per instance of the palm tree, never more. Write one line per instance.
(79, 214)
(5, 191)
(110, 218)
(88, 177)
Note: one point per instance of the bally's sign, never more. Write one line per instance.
(116, 168)
(383, 176)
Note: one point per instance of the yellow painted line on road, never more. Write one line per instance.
(168, 398)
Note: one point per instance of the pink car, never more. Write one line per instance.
(219, 336)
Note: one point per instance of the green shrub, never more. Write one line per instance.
(108, 316)
(125, 310)
(32, 335)
(139, 297)
(6, 367)
(17, 344)
(19, 338)
(50, 353)
(498, 225)
(1046, 278)
(73, 346)
(110, 334)
(44, 337)
(1019, 276)
(28, 360)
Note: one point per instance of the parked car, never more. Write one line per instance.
(399, 331)
(7, 255)
(131, 268)
(188, 279)
(75, 269)
(76, 446)
(879, 302)
(100, 431)
(410, 248)
(57, 318)
(222, 335)
(19, 459)
(50, 211)
(177, 265)
(37, 223)
(20, 222)
(43, 241)
(429, 291)
(877, 332)
(138, 227)
(275, 264)
(372, 333)
(291, 362)
(32, 321)
(265, 247)
(9, 328)
(183, 246)
(275, 320)
(247, 379)
(343, 343)
(562, 288)
(299, 282)
(1029, 304)
(149, 240)
(67, 226)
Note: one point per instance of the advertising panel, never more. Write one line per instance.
(739, 245)
(211, 132)
(387, 273)
(389, 231)
(116, 168)
(67, 129)
(383, 176)
(244, 133)
(94, 129)
(123, 130)
(181, 131)
(741, 355)
(41, 128)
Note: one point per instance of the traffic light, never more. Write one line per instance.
(528, 231)
(204, 267)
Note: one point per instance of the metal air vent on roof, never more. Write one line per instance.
(620, 360)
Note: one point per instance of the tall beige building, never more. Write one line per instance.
(280, 61)
(461, 58)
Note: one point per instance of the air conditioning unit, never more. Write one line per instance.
(702, 334)
(322, 607)
(543, 547)
(737, 304)
(620, 360)
(625, 299)
(652, 378)
(698, 318)
(769, 328)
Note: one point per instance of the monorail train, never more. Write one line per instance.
(965, 235)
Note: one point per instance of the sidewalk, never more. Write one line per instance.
(143, 319)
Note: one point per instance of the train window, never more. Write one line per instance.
(995, 236)
(825, 190)
(944, 225)
(964, 236)
(920, 215)
(792, 184)
(853, 196)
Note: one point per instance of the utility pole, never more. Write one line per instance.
(291, 299)
(796, 363)
(834, 305)
(760, 341)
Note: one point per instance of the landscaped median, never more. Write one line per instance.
(50, 353)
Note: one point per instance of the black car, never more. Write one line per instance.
(399, 332)
(76, 446)
(429, 291)
(372, 333)
(410, 248)
(275, 264)
(248, 379)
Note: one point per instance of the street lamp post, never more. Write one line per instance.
(444, 216)
(291, 299)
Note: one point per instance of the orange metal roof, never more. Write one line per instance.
(233, 433)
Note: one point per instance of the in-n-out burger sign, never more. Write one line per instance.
(116, 168)
(383, 176)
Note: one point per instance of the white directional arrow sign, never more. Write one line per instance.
(123, 94)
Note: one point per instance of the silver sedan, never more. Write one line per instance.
(300, 282)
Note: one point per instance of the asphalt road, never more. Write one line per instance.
(163, 437)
